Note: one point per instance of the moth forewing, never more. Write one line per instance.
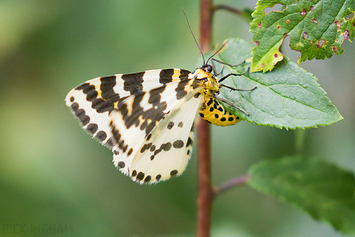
(147, 118)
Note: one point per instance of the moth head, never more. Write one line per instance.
(207, 68)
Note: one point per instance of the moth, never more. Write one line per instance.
(147, 118)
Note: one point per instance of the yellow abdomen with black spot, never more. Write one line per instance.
(213, 112)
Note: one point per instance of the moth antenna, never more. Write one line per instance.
(187, 20)
(217, 51)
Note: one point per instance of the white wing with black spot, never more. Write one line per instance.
(93, 101)
(165, 151)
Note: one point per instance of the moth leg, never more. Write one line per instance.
(232, 88)
(216, 74)
(221, 62)
(230, 103)
(233, 74)
(235, 89)
(230, 65)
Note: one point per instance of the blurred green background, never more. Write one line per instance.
(54, 175)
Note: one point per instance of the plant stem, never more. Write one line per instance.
(231, 183)
(205, 193)
(227, 8)
(300, 137)
(245, 14)
(205, 25)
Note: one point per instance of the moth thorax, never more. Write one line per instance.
(211, 84)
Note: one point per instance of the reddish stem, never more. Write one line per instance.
(205, 25)
(240, 180)
(205, 192)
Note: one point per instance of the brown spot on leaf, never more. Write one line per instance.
(278, 26)
(338, 24)
(288, 21)
(335, 49)
(262, 65)
(311, 8)
(320, 43)
(346, 35)
(257, 43)
(311, 41)
(303, 12)
(259, 25)
(314, 21)
(305, 35)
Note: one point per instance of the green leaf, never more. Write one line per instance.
(323, 190)
(317, 29)
(286, 97)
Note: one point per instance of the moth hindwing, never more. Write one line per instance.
(147, 118)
